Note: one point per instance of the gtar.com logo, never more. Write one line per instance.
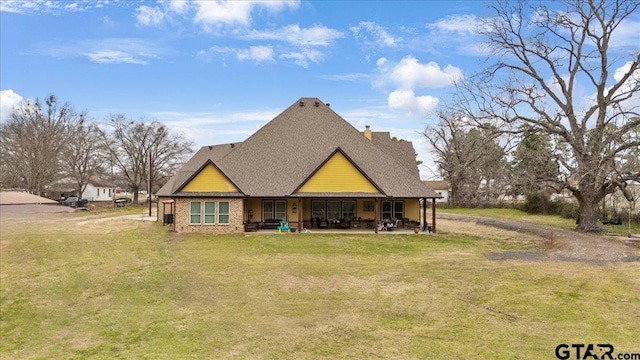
(584, 351)
(592, 351)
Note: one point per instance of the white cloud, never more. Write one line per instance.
(105, 51)
(149, 16)
(230, 13)
(8, 101)
(303, 57)
(256, 53)
(407, 76)
(380, 36)
(29, 7)
(114, 57)
(317, 35)
(178, 6)
(459, 24)
(413, 105)
(410, 74)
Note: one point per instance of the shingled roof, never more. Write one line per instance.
(277, 159)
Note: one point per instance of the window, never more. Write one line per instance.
(223, 212)
(349, 209)
(386, 210)
(398, 209)
(267, 210)
(205, 213)
(317, 209)
(209, 212)
(393, 209)
(274, 209)
(195, 212)
(333, 209)
(281, 209)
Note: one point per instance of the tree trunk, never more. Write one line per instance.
(588, 215)
(135, 194)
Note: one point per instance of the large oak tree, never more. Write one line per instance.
(558, 67)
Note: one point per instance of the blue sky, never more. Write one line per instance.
(219, 70)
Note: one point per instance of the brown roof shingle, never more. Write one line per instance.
(280, 156)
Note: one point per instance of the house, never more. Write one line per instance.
(96, 190)
(441, 187)
(99, 190)
(307, 166)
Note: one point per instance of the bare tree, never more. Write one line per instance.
(470, 158)
(533, 164)
(80, 157)
(545, 57)
(132, 144)
(32, 140)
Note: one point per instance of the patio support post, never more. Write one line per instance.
(424, 214)
(300, 217)
(433, 215)
(375, 215)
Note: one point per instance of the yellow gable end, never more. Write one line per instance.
(338, 175)
(210, 179)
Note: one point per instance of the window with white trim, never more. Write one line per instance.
(223, 212)
(392, 210)
(209, 212)
(195, 212)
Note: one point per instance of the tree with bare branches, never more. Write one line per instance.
(558, 67)
(32, 140)
(470, 158)
(134, 145)
(80, 156)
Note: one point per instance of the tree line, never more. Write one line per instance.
(46, 143)
(557, 106)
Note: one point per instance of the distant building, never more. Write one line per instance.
(441, 187)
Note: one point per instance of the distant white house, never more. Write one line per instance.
(441, 187)
(98, 190)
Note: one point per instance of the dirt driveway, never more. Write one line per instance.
(557, 243)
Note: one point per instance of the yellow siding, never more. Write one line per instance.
(412, 209)
(210, 179)
(338, 175)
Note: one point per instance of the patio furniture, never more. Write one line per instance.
(251, 227)
(284, 226)
(271, 224)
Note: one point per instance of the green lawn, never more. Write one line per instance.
(549, 220)
(133, 290)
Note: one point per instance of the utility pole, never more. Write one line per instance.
(149, 184)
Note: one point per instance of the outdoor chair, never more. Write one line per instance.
(284, 226)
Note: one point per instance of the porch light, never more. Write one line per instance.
(294, 209)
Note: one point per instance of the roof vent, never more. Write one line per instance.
(232, 145)
(210, 147)
(317, 103)
(328, 104)
(301, 103)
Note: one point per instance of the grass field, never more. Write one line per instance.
(550, 220)
(131, 289)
